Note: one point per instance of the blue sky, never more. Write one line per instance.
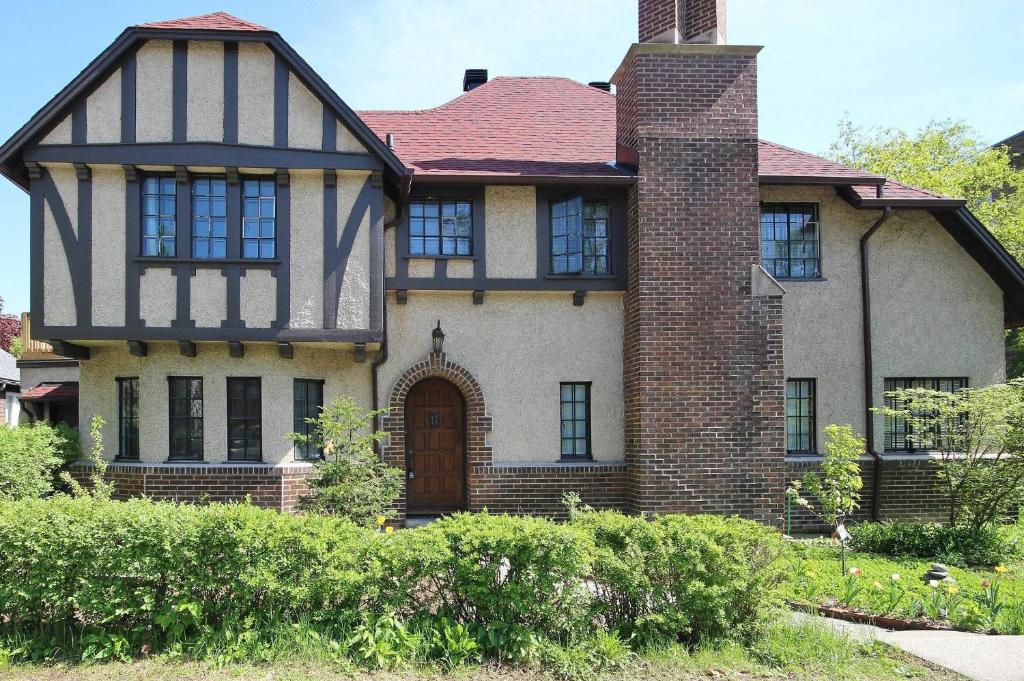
(884, 62)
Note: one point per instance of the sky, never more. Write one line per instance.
(883, 63)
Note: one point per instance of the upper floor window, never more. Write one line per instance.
(158, 216)
(209, 217)
(579, 237)
(790, 247)
(574, 401)
(259, 213)
(800, 415)
(186, 418)
(897, 431)
(128, 418)
(440, 227)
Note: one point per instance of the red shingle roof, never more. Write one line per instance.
(218, 21)
(51, 392)
(777, 160)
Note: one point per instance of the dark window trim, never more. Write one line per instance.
(228, 188)
(121, 436)
(589, 455)
(159, 175)
(171, 418)
(228, 419)
(241, 216)
(820, 276)
(585, 198)
(306, 427)
(616, 200)
(813, 440)
(441, 198)
(889, 432)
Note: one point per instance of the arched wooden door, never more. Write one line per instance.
(435, 448)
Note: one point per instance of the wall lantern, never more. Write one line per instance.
(438, 338)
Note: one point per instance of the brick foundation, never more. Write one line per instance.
(266, 486)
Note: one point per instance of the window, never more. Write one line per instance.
(259, 224)
(244, 420)
(186, 407)
(209, 217)
(440, 227)
(897, 430)
(800, 395)
(579, 237)
(575, 417)
(128, 418)
(789, 240)
(158, 214)
(307, 401)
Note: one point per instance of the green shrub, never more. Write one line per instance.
(28, 458)
(959, 545)
(696, 578)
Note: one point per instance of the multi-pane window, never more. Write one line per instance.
(790, 245)
(128, 418)
(575, 419)
(259, 217)
(579, 237)
(800, 415)
(186, 418)
(209, 217)
(158, 215)
(897, 431)
(245, 437)
(307, 402)
(440, 227)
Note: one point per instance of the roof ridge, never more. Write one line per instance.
(213, 21)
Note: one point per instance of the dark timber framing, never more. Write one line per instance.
(179, 91)
(201, 154)
(231, 93)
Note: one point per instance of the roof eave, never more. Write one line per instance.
(858, 201)
(769, 178)
(484, 178)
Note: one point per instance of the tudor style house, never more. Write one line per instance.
(551, 287)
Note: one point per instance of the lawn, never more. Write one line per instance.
(796, 652)
(816, 577)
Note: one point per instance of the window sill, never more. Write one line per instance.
(799, 279)
(151, 261)
(190, 462)
(575, 277)
(439, 257)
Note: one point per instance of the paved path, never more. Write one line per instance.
(976, 656)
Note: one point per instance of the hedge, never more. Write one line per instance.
(961, 545)
(156, 574)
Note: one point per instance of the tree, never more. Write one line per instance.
(10, 329)
(978, 436)
(837, 487)
(352, 481)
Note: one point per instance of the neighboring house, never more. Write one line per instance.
(551, 287)
(49, 382)
(1016, 145)
(10, 387)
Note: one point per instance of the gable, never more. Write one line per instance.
(215, 87)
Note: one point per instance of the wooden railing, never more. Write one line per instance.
(30, 348)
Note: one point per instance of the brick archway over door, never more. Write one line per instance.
(478, 423)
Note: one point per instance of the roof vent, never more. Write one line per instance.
(473, 78)
(390, 141)
(601, 85)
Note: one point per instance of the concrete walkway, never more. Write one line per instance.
(976, 656)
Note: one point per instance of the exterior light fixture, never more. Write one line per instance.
(437, 336)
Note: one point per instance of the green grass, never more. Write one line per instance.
(785, 651)
(816, 577)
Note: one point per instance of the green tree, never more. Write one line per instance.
(837, 487)
(98, 486)
(352, 481)
(978, 436)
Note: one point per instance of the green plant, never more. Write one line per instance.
(352, 481)
(852, 587)
(449, 644)
(99, 487)
(959, 545)
(978, 434)
(28, 457)
(894, 593)
(381, 641)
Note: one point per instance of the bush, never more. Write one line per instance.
(959, 545)
(28, 457)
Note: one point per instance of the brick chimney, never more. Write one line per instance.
(682, 21)
(703, 376)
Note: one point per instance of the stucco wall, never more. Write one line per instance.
(58, 290)
(305, 116)
(103, 111)
(519, 346)
(921, 325)
(108, 221)
(354, 296)
(209, 306)
(307, 244)
(60, 134)
(258, 304)
(205, 91)
(255, 89)
(346, 141)
(158, 288)
(98, 391)
(511, 223)
(153, 91)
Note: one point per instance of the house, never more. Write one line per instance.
(10, 387)
(49, 381)
(551, 287)
(1015, 144)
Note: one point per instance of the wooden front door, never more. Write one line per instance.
(435, 448)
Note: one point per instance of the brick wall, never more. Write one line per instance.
(691, 19)
(703, 374)
(538, 490)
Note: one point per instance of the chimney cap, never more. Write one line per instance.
(601, 85)
(473, 78)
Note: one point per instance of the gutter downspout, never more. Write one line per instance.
(869, 428)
